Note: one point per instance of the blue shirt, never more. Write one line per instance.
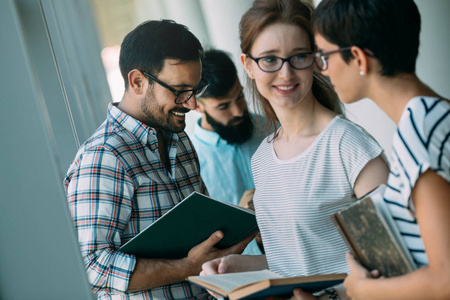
(225, 168)
(116, 187)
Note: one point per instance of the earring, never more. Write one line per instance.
(361, 73)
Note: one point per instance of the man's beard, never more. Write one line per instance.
(157, 118)
(233, 134)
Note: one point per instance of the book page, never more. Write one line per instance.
(230, 281)
(378, 201)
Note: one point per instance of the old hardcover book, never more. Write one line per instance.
(188, 224)
(372, 236)
(260, 284)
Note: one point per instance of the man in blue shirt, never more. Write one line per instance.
(227, 134)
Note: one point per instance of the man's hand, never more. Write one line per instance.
(151, 273)
(206, 251)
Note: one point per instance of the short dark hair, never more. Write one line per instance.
(219, 70)
(389, 29)
(150, 43)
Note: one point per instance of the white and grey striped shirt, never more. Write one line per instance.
(422, 142)
(294, 198)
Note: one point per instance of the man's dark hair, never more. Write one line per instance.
(150, 43)
(388, 29)
(219, 70)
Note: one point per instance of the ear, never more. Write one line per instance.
(200, 107)
(246, 62)
(361, 59)
(136, 81)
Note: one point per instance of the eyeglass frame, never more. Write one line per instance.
(283, 60)
(176, 92)
(323, 56)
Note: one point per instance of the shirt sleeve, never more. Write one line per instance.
(357, 148)
(99, 193)
(428, 140)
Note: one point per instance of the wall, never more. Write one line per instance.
(39, 254)
(432, 66)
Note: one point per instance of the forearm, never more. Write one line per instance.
(152, 273)
(424, 283)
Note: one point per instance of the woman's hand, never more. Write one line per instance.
(358, 274)
(302, 295)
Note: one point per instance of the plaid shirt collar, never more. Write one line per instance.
(145, 133)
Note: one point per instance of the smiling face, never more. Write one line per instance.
(158, 108)
(287, 87)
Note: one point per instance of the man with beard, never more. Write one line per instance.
(226, 135)
(138, 165)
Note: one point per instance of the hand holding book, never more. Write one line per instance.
(263, 283)
(372, 237)
(190, 223)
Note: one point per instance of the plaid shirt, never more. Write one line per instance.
(116, 187)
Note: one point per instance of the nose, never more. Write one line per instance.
(237, 108)
(191, 104)
(285, 71)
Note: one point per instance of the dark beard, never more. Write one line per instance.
(155, 117)
(237, 134)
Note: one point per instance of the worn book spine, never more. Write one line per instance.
(370, 239)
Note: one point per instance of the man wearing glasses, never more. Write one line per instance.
(138, 165)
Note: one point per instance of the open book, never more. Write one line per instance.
(188, 224)
(372, 236)
(255, 284)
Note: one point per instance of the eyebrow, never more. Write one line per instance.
(186, 86)
(272, 52)
(241, 93)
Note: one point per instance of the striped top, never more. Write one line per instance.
(422, 142)
(116, 187)
(294, 198)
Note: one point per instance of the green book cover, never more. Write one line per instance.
(188, 224)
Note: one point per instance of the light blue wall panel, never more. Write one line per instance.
(39, 253)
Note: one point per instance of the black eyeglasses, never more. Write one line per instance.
(184, 95)
(322, 57)
(272, 63)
